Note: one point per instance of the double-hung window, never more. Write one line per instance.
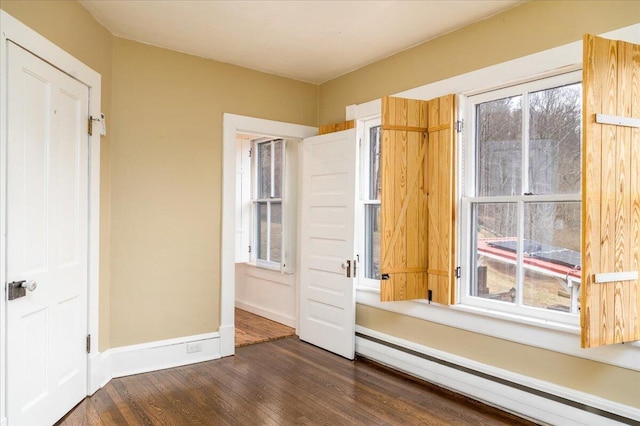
(521, 198)
(370, 202)
(267, 201)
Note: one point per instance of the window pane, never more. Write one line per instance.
(372, 241)
(499, 150)
(374, 162)
(264, 170)
(261, 231)
(277, 169)
(551, 253)
(276, 232)
(554, 140)
(495, 226)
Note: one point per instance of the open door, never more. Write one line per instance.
(328, 263)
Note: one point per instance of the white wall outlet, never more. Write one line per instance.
(194, 347)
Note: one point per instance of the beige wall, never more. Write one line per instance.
(68, 25)
(613, 383)
(167, 187)
(529, 28)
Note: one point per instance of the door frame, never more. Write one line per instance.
(231, 124)
(20, 34)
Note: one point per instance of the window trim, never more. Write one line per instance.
(468, 197)
(364, 125)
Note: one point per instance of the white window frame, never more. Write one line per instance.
(364, 134)
(469, 199)
(261, 263)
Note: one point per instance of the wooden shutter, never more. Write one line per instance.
(403, 243)
(336, 127)
(441, 208)
(610, 192)
(417, 175)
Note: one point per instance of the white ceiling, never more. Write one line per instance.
(312, 41)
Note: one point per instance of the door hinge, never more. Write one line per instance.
(459, 125)
(458, 272)
(88, 343)
(250, 152)
(249, 249)
(90, 126)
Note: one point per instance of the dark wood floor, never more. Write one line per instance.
(251, 328)
(282, 382)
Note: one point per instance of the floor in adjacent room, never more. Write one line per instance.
(251, 328)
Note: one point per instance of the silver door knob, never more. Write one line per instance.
(30, 285)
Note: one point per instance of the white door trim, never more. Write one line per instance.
(15, 31)
(231, 124)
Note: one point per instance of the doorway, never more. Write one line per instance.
(266, 211)
(233, 125)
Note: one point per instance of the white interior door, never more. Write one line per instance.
(327, 294)
(47, 215)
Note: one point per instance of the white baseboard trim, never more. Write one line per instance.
(519, 401)
(152, 356)
(269, 314)
(227, 340)
(99, 371)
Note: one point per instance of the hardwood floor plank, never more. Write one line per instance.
(318, 406)
(106, 407)
(282, 382)
(376, 406)
(204, 399)
(157, 404)
(233, 409)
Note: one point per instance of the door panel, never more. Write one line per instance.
(327, 295)
(47, 224)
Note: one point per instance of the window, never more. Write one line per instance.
(521, 199)
(370, 202)
(267, 202)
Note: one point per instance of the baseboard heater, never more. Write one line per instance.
(515, 385)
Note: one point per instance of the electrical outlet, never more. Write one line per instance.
(194, 347)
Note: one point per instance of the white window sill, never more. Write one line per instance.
(267, 266)
(521, 319)
(554, 336)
